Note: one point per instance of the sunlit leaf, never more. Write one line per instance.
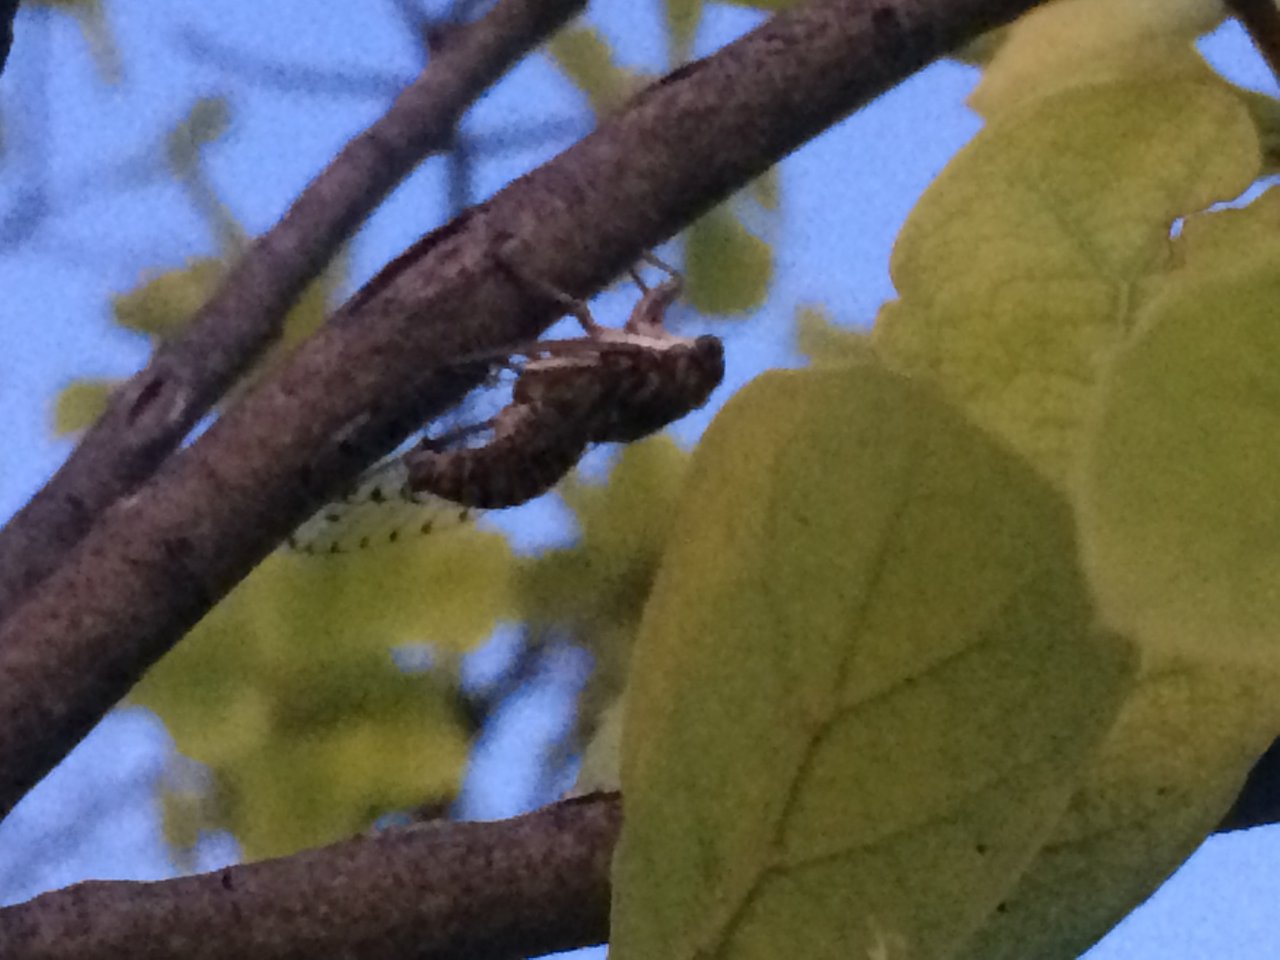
(1180, 517)
(823, 341)
(80, 404)
(727, 268)
(587, 59)
(683, 17)
(601, 761)
(163, 304)
(1074, 43)
(1164, 778)
(866, 681)
(1023, 265)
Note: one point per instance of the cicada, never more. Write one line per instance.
(608, 386)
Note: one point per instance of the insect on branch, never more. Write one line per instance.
(609, 386)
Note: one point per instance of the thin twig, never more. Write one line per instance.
(153, 412)
(535, 884)
(1262, 20)
(290, 77)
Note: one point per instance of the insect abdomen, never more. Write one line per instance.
(531, 451)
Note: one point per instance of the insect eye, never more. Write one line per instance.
(711, 350)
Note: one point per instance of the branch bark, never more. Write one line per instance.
(527, 886)
(151, 414)
(154, 562)
(531, 885)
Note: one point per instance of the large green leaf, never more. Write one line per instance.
(1179, 508)
(1166, 774)
(1022, 267)
(864, 685)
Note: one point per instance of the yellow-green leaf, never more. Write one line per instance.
(727, 268)
(163, 304)
(1073, 43)
(288, 691)
(603, 580)
(865, 683)
(1180, 517)
(587, 59)
(206, 121)
(683, 17)
(766, 189)
(1165, 776)
(1022, 267)
(825, 342)
(80, 404)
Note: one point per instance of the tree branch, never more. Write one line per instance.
(156, 561)
(151, 414)
(1261, 19)
(531, 885)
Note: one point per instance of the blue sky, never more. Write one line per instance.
(94, 149)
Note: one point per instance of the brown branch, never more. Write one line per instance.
(299, 78)
(1261, 19)
(531, 885)
(156, 561)
(151, 415)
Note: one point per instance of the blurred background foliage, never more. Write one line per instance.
(329, 691)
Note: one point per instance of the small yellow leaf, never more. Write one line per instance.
(163, 304)
(79, 405)
(206, 121)
(587, 59)
(824, 342)
(727, 268)
(683, 17)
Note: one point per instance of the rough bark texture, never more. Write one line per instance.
(535, 884)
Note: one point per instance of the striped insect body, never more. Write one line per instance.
(609, 386)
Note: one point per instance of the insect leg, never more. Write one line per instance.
(568, 302)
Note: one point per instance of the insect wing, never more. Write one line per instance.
(380, 510)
